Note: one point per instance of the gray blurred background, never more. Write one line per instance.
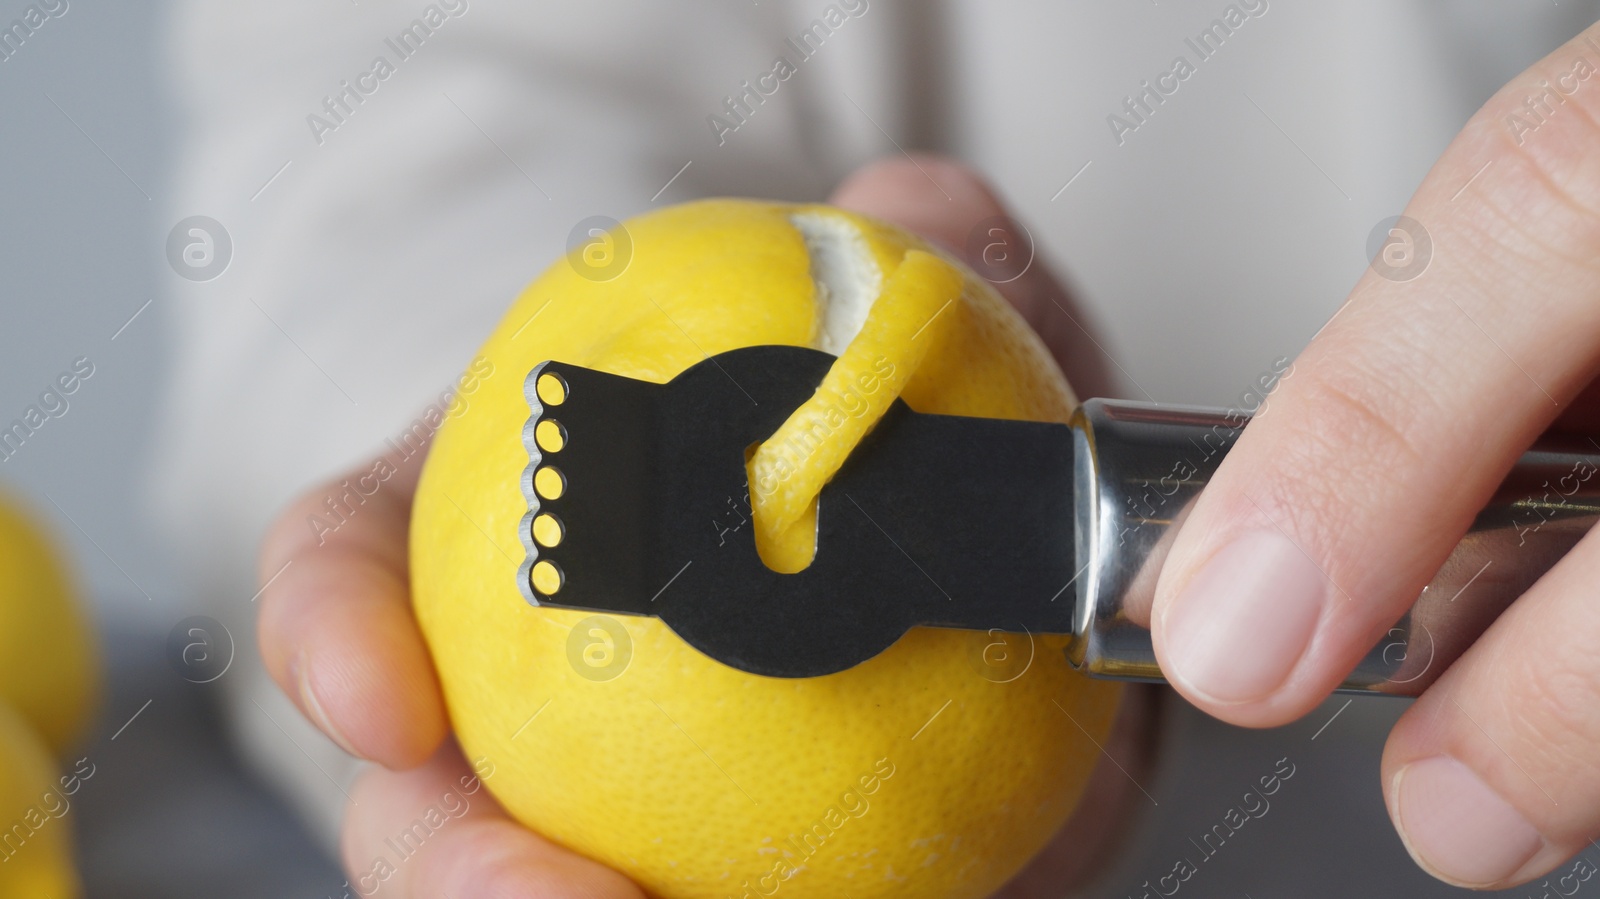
(83, 170)
(85, 161)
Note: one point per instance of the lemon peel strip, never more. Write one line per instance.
(788, 471)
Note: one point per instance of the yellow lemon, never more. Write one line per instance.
(35, 856)
(936, 769)
(48, 664)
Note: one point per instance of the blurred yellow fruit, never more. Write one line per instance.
(922, 772)
(48, 666)
(35, 843)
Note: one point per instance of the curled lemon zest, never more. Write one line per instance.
(788, 471)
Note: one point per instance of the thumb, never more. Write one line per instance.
(952, 206)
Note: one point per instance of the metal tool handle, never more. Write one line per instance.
(1140, 466)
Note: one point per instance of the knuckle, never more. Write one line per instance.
(1531, 222)
(1546, 199)
(1358, 409)
(1555, 713)
(920, 166)
(1347, 440)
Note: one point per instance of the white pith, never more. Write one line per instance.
(846, 276)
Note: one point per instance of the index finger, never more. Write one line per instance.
(1368, 464)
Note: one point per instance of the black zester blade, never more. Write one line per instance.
(934, 520)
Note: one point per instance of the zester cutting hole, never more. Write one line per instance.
(788, 471)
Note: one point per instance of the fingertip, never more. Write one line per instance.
(935, 196)
(281, 543)
(1490, 775)
(1231, 638)
(496, 858)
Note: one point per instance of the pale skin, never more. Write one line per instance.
(1344, 498)
(337, 633)
(1319, 530)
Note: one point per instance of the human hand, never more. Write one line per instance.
(337, 633)
(1344, 497)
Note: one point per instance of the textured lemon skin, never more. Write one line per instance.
(49, 669)
(35, 850)
(787, 472)
(696, 779)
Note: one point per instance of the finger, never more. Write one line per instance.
(336, 629)
(1583, 415)
(1493, 775)
(436, 831)
(946, 202)
(1397, 422)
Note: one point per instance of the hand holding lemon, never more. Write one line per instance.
(912, 774)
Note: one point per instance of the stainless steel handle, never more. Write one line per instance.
(1140, 466)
